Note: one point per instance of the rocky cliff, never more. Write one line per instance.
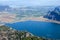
(54, 15)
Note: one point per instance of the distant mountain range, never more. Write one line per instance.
(4, 7)
(54, 15)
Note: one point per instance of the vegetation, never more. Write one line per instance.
(10, 34)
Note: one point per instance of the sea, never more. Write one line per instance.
(38, 28)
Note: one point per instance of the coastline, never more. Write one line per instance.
(48, 20)
(40, 19)
(12, 19)
(11, 34)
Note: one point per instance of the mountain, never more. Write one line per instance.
(54, 14)
(4, 7)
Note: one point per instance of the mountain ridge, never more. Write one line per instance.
(54, 15)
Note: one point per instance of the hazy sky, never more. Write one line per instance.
(30, 2)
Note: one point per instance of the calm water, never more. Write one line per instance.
(42, 29)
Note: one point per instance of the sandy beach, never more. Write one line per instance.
(40, 19)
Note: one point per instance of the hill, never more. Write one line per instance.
(7, 33)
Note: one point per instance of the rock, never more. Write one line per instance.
(54, 15)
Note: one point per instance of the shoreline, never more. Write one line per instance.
(40, 19)
(27, 18)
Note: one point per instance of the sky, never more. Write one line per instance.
(30, 2)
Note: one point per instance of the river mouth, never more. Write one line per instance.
(38, 28)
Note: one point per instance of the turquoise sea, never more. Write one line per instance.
(38, 28)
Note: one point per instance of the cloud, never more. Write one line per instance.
(30, 2)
